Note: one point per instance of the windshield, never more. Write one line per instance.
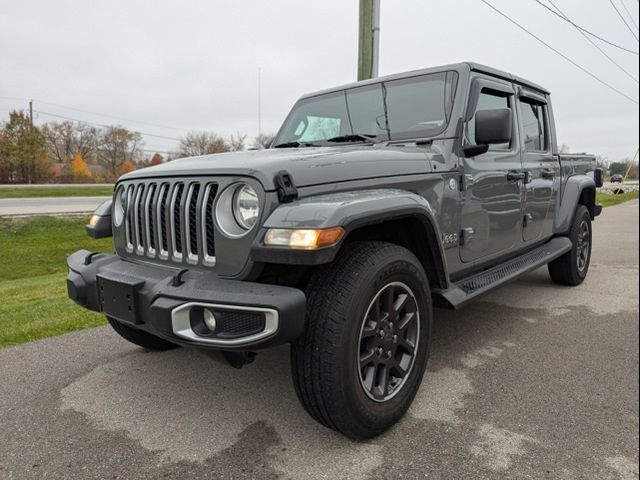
(407, 108)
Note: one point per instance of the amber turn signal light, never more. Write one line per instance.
(303, 238)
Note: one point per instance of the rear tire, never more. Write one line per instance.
(140, 337)
(572, 267)
(360, 361)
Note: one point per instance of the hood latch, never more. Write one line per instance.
(285, 187)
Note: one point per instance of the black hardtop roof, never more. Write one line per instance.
(474, 67)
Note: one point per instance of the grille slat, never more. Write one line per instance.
(138, 219)
(128, 227)
(191, 226)
(171, 220)
(176, 221)
(208, 230)
(163, 199)
(149, 220)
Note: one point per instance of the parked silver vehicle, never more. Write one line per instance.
(376, 202)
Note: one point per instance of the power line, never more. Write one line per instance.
(103, 125)
(595, 45)
(629, 13)
(560, 53)
(14, 98)
(93, 113)
(108, 116)
(566, 19)
(623, 19)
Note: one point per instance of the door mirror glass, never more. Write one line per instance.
(493, 126)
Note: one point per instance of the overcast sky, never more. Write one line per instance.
(193, 65)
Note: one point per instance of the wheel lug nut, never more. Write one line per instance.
(388, 353)
(379, 351)
(381, 333)
(395, 338)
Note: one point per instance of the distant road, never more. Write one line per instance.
(54, 185)
(49, 205)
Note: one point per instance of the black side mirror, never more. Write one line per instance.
(598, 177)
(99, 225)
(492, 126)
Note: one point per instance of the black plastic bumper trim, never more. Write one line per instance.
(156, 297)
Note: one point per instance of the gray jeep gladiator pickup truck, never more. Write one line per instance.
(376, 202)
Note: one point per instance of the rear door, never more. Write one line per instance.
(541, 166)
(491, 204)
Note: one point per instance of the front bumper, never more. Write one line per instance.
(169, 303)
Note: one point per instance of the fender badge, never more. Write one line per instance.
(452, 183)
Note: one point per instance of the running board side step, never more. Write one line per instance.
(474, 286)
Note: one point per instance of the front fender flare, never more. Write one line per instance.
(350, 210)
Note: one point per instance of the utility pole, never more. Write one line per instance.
(368, 39)
(259, 102)
(31, 112)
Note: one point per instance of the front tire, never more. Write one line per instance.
(360, 361)
(140, 338)
(572, 267)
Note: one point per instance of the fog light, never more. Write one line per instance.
(209, 320)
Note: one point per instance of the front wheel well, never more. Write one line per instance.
(412, 233)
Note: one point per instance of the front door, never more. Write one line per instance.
(542, 167)
(491, 206)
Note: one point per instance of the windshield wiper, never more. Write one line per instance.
(354, 137)
(294, 144)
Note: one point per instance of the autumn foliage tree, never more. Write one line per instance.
(23, 152)
(117, 146)
(156, 160)
(127, 166)
(80, 170)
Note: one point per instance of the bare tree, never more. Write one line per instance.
(60, 141)
(202, 143)
(236, 142)
(117, 145)
(65, 139)
(86, 141)
(264, 140)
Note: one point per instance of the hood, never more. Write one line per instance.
(307, 166)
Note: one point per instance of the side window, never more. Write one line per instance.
(533, 126)
(488, 101)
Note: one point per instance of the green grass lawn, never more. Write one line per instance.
(609, 200)
(44, 191)
(33, 267)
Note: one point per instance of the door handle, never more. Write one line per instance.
(547, 173)
(515, 176)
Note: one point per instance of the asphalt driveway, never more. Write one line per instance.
(535, 381)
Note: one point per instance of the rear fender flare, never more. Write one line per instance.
(572, 192)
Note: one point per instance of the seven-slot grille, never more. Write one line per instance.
(171, 220)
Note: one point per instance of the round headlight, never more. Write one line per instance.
(237, 210)
(118, 206)
(246, 206)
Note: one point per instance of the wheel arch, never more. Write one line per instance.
(392, 215)
(579, 190)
